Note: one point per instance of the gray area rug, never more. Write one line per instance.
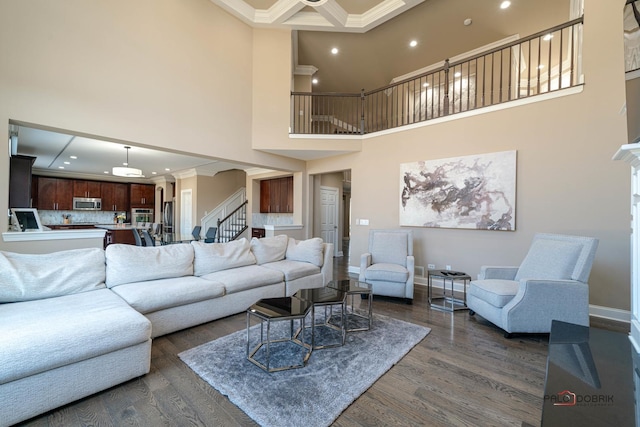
(311, 396)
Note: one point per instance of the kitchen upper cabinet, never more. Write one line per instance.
(276, 195)
(54, 194)
(143, 195)
(115, 196)
(86, 189)
(20, 181)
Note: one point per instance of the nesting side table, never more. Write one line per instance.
(270, 311)
(328, 298)
(447, 302)
(356, 321)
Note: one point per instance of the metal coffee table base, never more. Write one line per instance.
(267, 341)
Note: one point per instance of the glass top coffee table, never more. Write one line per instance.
(352, 287)
(325, 334)
(280, 348)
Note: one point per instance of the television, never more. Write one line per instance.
(25, 219)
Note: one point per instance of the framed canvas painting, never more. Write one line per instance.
(473, 192)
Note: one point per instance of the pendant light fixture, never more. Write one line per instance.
(126, 171)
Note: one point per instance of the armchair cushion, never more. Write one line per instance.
(389, 247)
(497, 292)
(387, 272)
(550, 259)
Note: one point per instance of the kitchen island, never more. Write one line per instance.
(118, 233)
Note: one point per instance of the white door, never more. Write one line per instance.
(186, 212)
(329, 217)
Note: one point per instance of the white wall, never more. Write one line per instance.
(566, 180)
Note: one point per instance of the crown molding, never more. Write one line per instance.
(258, 171)
(187, 173)
(305, 70)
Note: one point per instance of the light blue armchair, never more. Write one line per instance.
(389, 264)
(550, 284)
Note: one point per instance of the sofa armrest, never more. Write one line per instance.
(327, 263)
(365, 261)
(497, 272)
(540, 301)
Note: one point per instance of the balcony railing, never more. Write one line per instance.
(541, 63)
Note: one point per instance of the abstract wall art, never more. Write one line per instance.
(473, 192)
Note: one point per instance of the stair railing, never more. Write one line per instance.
(233, 225)
(540, 63)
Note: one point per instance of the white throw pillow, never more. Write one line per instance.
(309, 250)
(212, 257)
(269, 249)
(550, 260)
(129, 264)
(26, 277)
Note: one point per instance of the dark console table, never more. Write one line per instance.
(590, 378)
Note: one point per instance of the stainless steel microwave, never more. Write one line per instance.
(87, 204)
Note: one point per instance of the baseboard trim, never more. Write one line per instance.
(608, 313)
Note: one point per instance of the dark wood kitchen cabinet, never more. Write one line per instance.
(89, 189)
(54, 194)
(115, 196)
(143, 195)
(20, 181)
(276, 195)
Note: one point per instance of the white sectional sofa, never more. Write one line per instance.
(76, 322)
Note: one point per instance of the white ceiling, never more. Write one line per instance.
(95, 157)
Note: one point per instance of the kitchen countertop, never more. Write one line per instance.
(115, 227)
(17, 236)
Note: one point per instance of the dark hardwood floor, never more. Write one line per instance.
(464, 373)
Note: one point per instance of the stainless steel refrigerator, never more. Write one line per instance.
(168, 217)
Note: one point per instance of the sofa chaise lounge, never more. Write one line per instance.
(76, 322)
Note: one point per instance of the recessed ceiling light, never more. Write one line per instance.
(154, 173)
(125, 164)
(334, 50)
(60, 167)
(413, 43)
(67, 163)
(547, 37)
(73, 157)
(467, 22)
(167, 169)
(505, 4)
(314, 81)
(457, 74)
(107, 172)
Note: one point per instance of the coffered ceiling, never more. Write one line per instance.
(356, 16)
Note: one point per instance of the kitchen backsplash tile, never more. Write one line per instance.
(259, 220)
(75, 217)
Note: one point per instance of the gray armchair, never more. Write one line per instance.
(550, 284)
(389, 264)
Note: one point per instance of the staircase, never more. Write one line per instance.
(230, 217)
(233, 225)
